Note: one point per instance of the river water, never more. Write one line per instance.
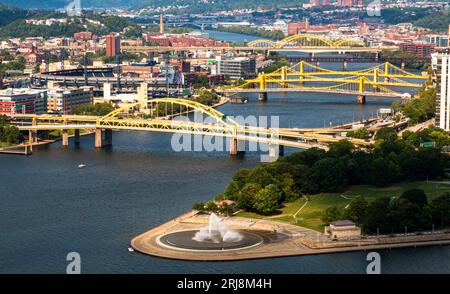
(49, 207)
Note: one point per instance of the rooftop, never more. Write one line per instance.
(342, 223)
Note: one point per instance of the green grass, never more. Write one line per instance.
(310, 216)
(5, 145)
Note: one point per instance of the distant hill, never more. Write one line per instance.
(9, 14)
(55, 4)
(194, 5)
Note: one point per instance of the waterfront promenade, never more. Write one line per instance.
(280, 240)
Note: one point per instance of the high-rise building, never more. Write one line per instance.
(23, 100)
(418, 49)
(112, 45)
(161, 24)
(441, 68)
(236, 68)
(64, 100)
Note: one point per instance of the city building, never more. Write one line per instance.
(343, 229)
(441, 68)
(23, 100)
(112, 45)
(236, 67)
(419, 49)
(437, 40)
(297, 27)
(184, 66)
(64, 100)
(83, 36)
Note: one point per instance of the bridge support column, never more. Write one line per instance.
(103, 138)
(30, 140)
(108, 138)
(262, 97)
(361, 99)
(236, 147)
(65, 138)
(77, 137)
(275, 151)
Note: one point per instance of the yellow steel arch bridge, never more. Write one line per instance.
(167, 115)
(305, 40)
(382, 80)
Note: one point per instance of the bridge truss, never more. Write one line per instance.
(305, 40)
(171, 115)
(381, 80)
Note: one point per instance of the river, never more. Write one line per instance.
(49, 207)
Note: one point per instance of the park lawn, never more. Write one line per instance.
(311, 214)
(4, 144)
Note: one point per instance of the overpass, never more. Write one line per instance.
(166, 115)
(380, 81)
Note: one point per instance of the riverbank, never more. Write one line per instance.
(24, 148)
(280, 240)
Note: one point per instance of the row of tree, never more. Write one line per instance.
(8, 134)
(385, 215)
(266, 187)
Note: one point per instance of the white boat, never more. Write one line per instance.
(130, 249)
(81, 165)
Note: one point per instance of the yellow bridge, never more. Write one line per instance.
(170, 115)
(382, 80)
(306, 40)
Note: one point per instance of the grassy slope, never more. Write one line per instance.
(310, 216)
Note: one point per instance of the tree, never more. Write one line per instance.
(329, 175)
(378, 216)
(404, 215)
(246, 197)
(332, 214)
(440, 210)
(288, 188)
(357, 210)
(261, 176)
(384, 172)
(199, 206)
(361, 133)
(415, 196)
(211, 206)
(232, 190)
(341, 148)
(267, 200)
(386, 134)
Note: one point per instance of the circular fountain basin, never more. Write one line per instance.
(184, 240)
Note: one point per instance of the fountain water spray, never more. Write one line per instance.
(216, 231)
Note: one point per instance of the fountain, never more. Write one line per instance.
(216, 236)
(216, 231)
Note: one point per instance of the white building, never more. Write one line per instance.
(441, 67)
(343, 229)
(236, 67)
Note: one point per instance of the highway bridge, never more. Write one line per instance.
(308, 43)
(165, 115)
(382, 80)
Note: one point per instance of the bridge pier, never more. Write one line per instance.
(361, 99)
(77, 137)
(65, 138)
(103, 138)
(262, 97)
(276, 150)
(236, 147)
